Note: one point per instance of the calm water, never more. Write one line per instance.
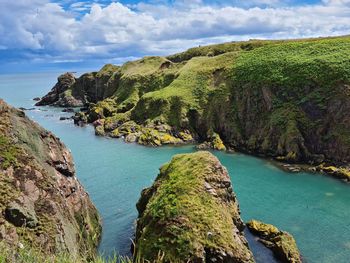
(314, 208)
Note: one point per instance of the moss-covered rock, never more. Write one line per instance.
(153, 137)
(99, 130)
(338, 172)
(190, 214)
(41, 201)
(281, 243)
(214, 142)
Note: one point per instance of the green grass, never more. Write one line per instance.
(8, 153)
(190, 89)
(292, 66)
(26, 254)
(266, 97)
(180, 213)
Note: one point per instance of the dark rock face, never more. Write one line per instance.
(41, 201)
(56, 96)
(281, 243)
(77, 92)
(191, 214)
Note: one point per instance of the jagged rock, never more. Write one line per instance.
(190, 214)
(64, 168)
(281, 243)
(41, 200)
(68, 110)
(37, 99)
(65, 118)
(56, 95)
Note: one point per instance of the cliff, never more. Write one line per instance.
(190, 214)
(289, 100)
(42, 204)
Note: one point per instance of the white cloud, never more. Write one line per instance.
(116, 31)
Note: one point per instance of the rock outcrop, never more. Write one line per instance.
(190, 214)
(281, 243)
(289, 100)
(42, 204)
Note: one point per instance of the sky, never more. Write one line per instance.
(39, 35)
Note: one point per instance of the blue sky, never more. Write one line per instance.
(39, 35)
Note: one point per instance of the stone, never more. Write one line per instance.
(20, 216)
(281, 243)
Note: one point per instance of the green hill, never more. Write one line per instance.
(286, 99)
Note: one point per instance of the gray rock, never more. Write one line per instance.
(21, 216)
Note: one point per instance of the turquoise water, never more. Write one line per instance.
(314, 208)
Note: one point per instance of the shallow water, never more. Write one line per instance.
(314, 208)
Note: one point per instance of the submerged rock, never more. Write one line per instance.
(191, 214)
(281, 243)
(42, 203)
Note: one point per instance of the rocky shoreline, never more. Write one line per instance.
(191, 214)
(226, 97)
(158, 135)
(162, 134)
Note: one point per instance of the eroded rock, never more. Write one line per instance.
(190, 214)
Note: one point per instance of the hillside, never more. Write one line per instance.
(42, 204)
(286, 99)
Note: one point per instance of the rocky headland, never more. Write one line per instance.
(289, 100)
(42, 204)
(191, 214)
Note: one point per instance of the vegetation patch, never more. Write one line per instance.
(8, 153)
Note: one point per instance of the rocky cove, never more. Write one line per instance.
(219, 96)
(48, 210)
(316, 192)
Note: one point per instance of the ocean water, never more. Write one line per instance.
(314, 208)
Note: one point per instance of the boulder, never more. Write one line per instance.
(21, 216)
(281, 243)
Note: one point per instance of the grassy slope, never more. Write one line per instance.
(270, 97)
